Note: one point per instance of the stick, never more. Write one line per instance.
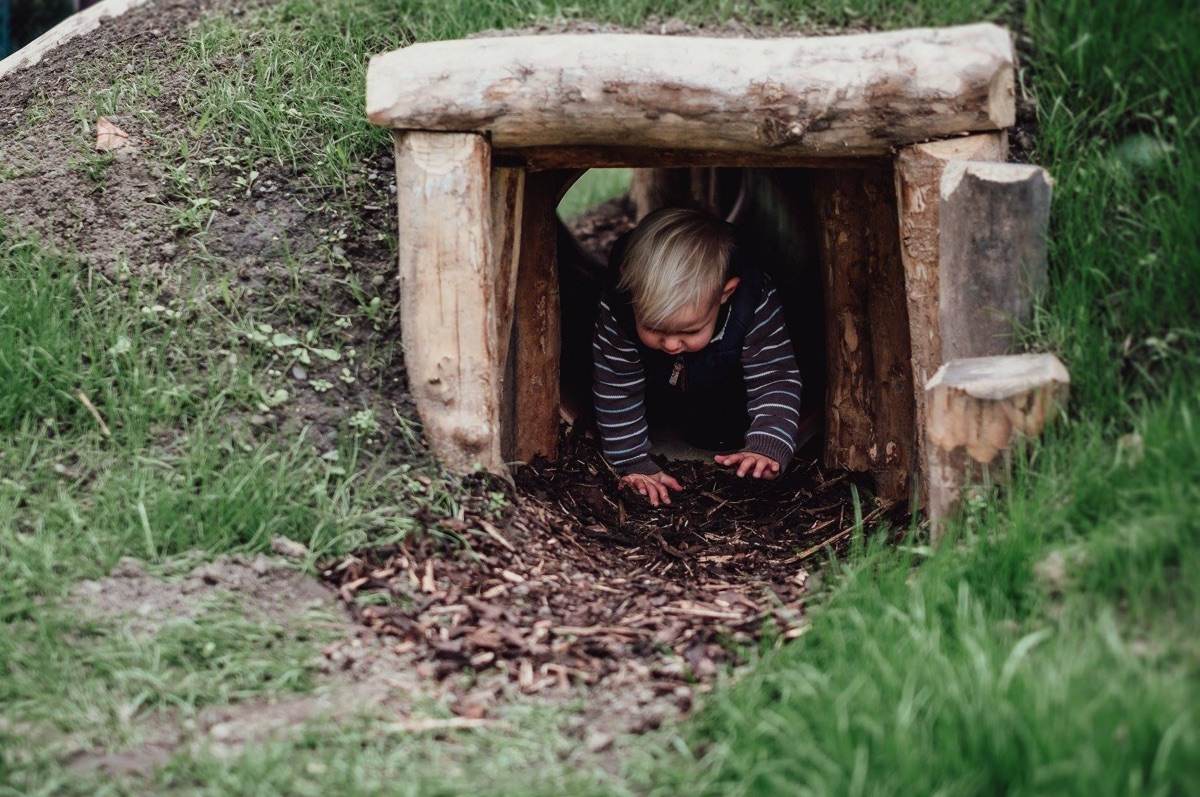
(83, 399)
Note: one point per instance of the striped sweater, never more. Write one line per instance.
(772, 388)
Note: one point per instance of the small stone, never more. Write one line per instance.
(289, 548)
(128, 567)
(674, 27)
(192, 585)
(299, 373)
(1052, 571)
(598, 742)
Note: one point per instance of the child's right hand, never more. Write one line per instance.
(653, 486)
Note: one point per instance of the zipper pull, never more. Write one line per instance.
(676, 373)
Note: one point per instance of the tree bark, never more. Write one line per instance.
(976, 411)
(448, 294)
(829, 95)
(992, 257)
(537, 338)
(918, 177)
(545, 158)
(869, 408)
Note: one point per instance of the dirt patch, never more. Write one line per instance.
(356, 673)
(360, 673)
(264, 588)
(587, 585)
(287, 253)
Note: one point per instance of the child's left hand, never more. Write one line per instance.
(757, 465)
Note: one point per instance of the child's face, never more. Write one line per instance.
(688, 329)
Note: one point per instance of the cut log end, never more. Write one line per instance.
(977, 409)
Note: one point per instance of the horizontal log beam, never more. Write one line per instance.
(540, 159)
(824, 96)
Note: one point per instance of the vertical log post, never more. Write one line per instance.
(508, 206)
(870, 412)
(977, 408)
(992, 257)
(447, 293)
(537, 339)
(918, 178)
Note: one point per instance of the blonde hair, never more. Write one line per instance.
(676, 258)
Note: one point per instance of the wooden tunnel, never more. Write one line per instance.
(855, 131)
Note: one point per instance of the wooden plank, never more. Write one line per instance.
(845, 251)
(590, 157)
(823, 96)
(893, 449)
(507, 205)
(447, 294)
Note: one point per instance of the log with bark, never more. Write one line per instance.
(824, 96)
(870, 421)
(977, 409)
(992, 254)
(448, 293)
(918, 179)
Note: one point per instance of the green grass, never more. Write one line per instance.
(1049, 648)
(593, 188)
(527, 754)
(165, 469)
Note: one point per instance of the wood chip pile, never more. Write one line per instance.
(580, 583)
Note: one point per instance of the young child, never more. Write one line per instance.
(694, 336)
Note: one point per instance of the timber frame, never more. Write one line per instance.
(489, 133)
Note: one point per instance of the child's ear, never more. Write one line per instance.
(730, 286)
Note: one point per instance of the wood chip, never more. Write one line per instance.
(109, 137)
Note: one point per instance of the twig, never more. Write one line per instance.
(83, 399)
(841, 535)
(495, 534)
(437, 724)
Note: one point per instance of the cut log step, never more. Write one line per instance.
(976, 410)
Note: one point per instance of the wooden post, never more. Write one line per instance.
(976, 410)
(918, 178)
(992, 254)
(508, 210)
(536, 332)
(869, 415)
(448, 294)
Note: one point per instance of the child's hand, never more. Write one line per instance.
(653, 486)
(757, 465)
